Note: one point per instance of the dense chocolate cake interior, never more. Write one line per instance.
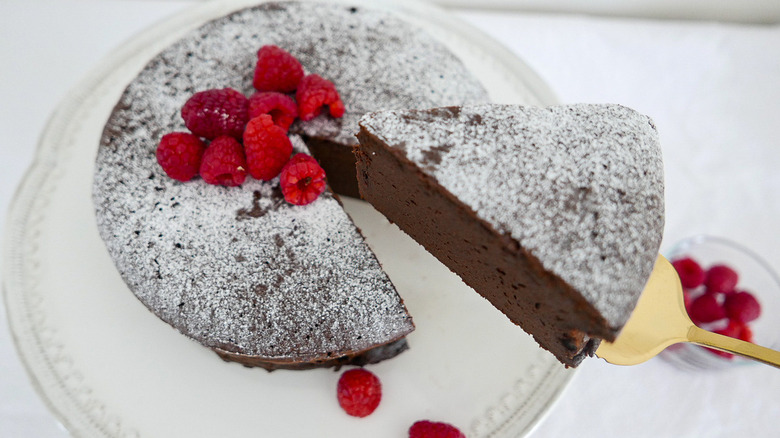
(554, 215)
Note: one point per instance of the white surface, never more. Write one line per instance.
(712, 90)
(749, 11)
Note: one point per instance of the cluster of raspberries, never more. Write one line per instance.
(232, 135)
(715, 302)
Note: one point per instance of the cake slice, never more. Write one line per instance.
(555, 215)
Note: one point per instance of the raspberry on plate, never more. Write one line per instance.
(313, 93)
(432, 429)
(280, 107)
(721, 278)
(302, 180)
(359, 392)
(212, 113)
(179, 154)
(742, 306)
(223, 162)
(267, 147)
(276, 70)
(690, 272)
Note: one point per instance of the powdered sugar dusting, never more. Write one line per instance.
(239, 269)
(579, 186)
(352, 47)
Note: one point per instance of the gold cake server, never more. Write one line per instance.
(660, 320)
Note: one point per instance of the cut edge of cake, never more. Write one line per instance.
(485, 253)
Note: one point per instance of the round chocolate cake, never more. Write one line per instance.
(238, 269)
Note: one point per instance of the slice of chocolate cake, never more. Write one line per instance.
(238, 269)
(555, 215)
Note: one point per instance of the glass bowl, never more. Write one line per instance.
(755, 276)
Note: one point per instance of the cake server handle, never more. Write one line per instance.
(660, 320)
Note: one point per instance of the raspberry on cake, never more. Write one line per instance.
(267, 147)
(313, 94)
(212, 113)
(554, 215)
(280, 107)
(302, 180)
(276, 70)
(223, 162)
(179, 154)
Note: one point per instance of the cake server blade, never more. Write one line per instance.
(660, 320)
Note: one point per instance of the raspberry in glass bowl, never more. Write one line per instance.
(728, 289)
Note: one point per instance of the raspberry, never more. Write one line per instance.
(721, 278)
(302, 180)
(276, 70)
(690, 272)
(313, 93)
(742, 306)
(179, 154)
(280, 107)
(359, 392)
(267, 147)
(223, 162)
(212, 113)
(746, 334)
(706, 308)
(431, 429)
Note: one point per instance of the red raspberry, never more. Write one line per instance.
(359, 392)
(733, 329)
(223, 162)
(212, 113)
(746, 334)
(742, 306)
(280, 107)
(721, 278)
(276, 70)
(267, 148)
(690, 272)
(313, 93)
(302, 180)
(706, 308)
(179, 154)
(431, 429)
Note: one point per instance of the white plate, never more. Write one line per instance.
(108, 367)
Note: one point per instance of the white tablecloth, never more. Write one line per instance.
(712, 89)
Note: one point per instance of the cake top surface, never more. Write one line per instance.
(579, 186)
(224, 264)
(241, 269)
(350, 46)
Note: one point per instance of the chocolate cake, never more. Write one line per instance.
(555, 215)
(239, 270)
